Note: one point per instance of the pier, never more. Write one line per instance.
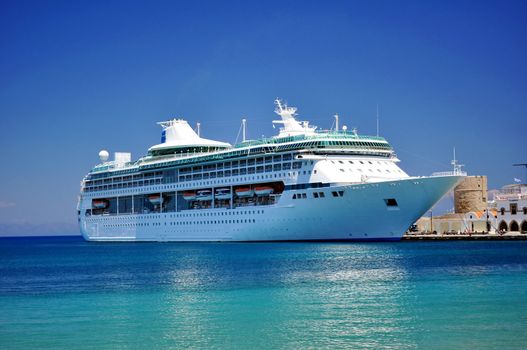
(508, 236)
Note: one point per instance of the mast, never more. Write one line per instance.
(377, 119)
(336, 122)
(456, 165)
(243, 129)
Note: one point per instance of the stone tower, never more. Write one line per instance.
(471, 194)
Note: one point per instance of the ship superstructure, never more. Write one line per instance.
(302, 184)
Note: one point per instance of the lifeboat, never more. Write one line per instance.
(99, 203)
(189, 195)
(204, 195)
(263, 190)
(222, 193)
(244, 192)
(155, 199)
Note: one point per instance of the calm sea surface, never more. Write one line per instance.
(64, 293)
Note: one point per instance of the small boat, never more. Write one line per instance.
(244, 192)
(263, 190)
(222, 193)
(99, 203)
(189, 195)
(155, 199)
(204, 195)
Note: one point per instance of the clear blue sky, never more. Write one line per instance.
(77, 77)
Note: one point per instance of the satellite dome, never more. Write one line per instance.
(103, 155)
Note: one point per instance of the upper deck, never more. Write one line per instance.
(183, 154)
(328, 142)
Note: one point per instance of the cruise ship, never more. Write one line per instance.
(300, 185)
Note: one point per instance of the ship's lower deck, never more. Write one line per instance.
(373, 211)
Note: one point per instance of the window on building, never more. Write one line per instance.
(514, 208)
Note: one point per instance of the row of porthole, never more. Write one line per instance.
(183, 223)
(371, 171)
(222, 213)
(212, 222)
(124, 217)
(362, 162)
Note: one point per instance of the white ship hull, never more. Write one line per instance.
(361, 213)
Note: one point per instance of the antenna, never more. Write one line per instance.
(243, 129)
(377, 119)
(198, 124)
(336, 122)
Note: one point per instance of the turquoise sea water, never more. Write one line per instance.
(64, 293)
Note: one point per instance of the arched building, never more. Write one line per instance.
(511, 206)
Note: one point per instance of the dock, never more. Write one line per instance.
(508, 236)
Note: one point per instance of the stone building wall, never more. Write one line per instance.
(471, 195)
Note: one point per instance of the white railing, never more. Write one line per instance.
(450, 173)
